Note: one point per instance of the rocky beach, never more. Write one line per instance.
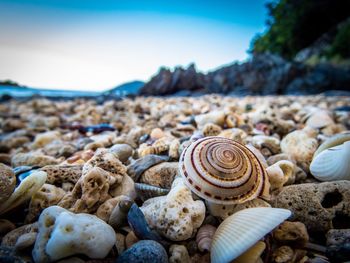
(178, 179)
(175, 131)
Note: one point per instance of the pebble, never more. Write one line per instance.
(122, 151)
(7, 182)
(144, 251)
(160, 175)
(137, 168)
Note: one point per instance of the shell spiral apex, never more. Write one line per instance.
(223, 171)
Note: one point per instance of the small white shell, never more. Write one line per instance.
(332, 164)
(242, 230)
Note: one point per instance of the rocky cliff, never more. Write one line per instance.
(263, 74)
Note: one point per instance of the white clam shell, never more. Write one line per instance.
(242, 230)
(332, 164)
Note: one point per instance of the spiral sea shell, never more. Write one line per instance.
(223, 171)
(204, 237)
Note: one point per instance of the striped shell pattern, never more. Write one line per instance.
(223, 171)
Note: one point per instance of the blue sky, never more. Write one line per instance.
(96, 45)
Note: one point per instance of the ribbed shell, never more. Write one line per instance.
(223, 171)
(242, 230)
(332, 164)
(204, 237)
(333, 141)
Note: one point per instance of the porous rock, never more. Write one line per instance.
(58, 174)
(7, 182)
(320, 206)
(291, 233)
(33, 159)
(176, 216)
(47, 195)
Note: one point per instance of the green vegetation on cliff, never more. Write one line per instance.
(296, 24)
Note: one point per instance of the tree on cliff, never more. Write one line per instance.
(296, 24)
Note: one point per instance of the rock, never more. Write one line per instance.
(6, 226)
(283, 254)
(211, 129)
(175, 216)
(131, 239)
(11, 124)
(5, 158)
(11, 142)
(338, 245)
(50, 122)
(178, 254)
(45, 138)
(157, 133)
(161, 175)
(26, 189)
(167, 82)
(140, 165)
(7, 182)
(214, 117)
(338, 236)
(174, 149)
(58, 174)
(10, 239)
(122, 151)
(320, 206)
(126, 187)
(47, 195)
(108, 162)
(263, 74)
(144, 251)
(25, 241)
(291, 233)
(105, 210)
(301, 146)
(33, 159)
(8, 255)
(280, 173)
(62, 233)
(89, 192)
(120, 243)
